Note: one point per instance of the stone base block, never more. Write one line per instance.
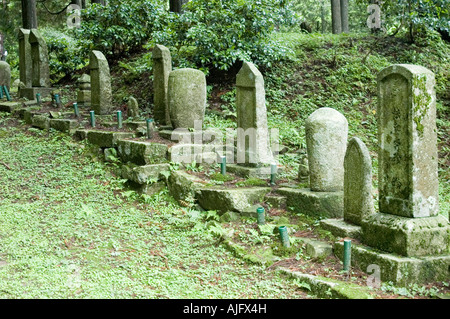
(186, 137)
(30, 93)
(142, 153)
(106, 138)
(143, 174)
(9, 107)
(407, 236)
(64, 125)
(402, 271)
(183, 186)
(41, 121)
(236, 200)
(340, 228)
(275, 201)
(316, 204)
(251, 172)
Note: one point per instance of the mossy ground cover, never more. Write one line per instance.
(70, 230)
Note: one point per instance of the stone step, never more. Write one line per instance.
(340, 228)
(144, 174)
(275, 201)
(315, 204)
(106, 138)
(141, 152)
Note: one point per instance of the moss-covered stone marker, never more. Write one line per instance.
(101, 94)
(162, 66)
(358, 200)
(253, 148)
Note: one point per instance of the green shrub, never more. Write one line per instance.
(64, 56)
(120, 27)
(217, 34)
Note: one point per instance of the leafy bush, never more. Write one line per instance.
(217, 34)
(120, 27)
(64, 56)
(418, 17)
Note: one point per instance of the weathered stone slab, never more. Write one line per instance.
(106, 138)
(9, 107)
(187, 153)
(5, 75)
(236, 199)
(340, 228)
(253, 141)
(64, 125)
(143, 174)
(141, 152)
(183, 186)
(358, 200)
(326, 140)
(30, 93)
(400, 270)
(186, 98)
(101, 94)
(162, 66)
(39, 58)
(407, 236)
(408, 159)
(25, 64)
(41, 121)
(316, 204)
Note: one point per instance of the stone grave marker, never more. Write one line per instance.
(84, 90)
(253, 142)
(358, 201)
(162, 66)
(39, 56)
(326, 141)
(133, 107)
(101, 95)
(408, 222)
(25, 64)
(186, 97)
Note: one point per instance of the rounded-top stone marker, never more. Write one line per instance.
(326, 141)
(186, 97)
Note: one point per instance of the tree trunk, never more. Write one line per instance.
(344, 15)
(29, 15)
(175, 5)
(102, 2)
(322, 16)
(77, 2)
(336, 16)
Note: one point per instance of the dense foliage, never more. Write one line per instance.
(417, 17)
(216, 33)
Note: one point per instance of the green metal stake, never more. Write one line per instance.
(261, 216)
(1, 92)
(347, 254)
(7, 93)
(284, 236)
(92, 118)
(149, 128)
(223, 165)
(273, 173)
(38, 98)
(57, 100)
(75, 109)
(119, 119)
